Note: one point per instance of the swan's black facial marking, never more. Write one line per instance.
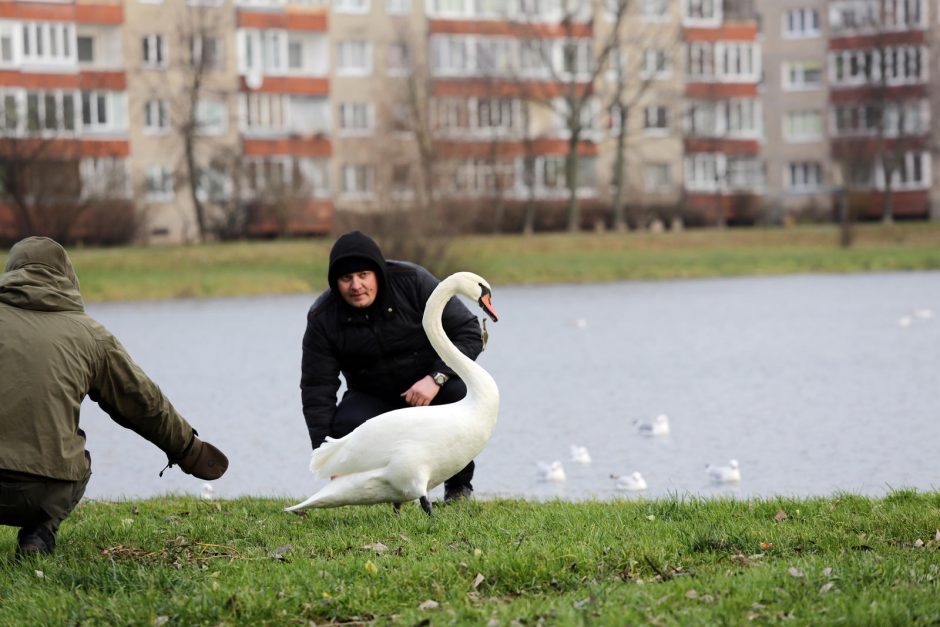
(486, 303)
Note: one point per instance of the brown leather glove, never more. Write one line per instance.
(203, 460)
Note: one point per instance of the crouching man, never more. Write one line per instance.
(52, 354)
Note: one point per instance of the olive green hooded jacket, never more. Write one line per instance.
(51, 355)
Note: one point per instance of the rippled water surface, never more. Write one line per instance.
(813, 383)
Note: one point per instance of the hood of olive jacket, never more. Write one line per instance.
(39, 276)
(53, 355)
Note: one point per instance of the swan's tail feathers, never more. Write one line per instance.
(323, 454)
(362, 488)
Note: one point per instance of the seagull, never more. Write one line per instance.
(552, 472)
(660, 426)
(207, 492)
(580, 455)
(924, 313)
(724, 474)
(633, 481)
(905, 321)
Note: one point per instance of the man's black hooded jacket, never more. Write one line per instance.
(381, 350)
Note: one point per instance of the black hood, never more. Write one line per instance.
(357, 245)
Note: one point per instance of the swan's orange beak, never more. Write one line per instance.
(486, 303)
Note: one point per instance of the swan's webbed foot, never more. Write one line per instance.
(425, 505)
(397, 507)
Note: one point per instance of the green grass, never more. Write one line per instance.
(299, 266)
(180, 561)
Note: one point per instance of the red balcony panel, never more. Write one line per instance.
(509, 29)
(493, 150)
(38, 81)
(721, 91)
(481, 87)
(731, 31)
(313, 217)
(867, 147)
(112, 14)
(905, 204)
(706, 208)
(114, 81)
(316, 146)
(290, 85)
(877, 40)
(66, 148)
(293, 20)
(736, 147)
(877, 93)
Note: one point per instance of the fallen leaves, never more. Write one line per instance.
(371, 568)
(178, 552)
(430, 604)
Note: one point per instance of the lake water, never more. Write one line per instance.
(813, 383)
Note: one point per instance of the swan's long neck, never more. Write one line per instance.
(480, 385)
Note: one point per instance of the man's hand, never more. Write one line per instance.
(421, 393)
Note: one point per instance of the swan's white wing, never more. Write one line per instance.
(379, 441)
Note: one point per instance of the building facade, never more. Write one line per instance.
(175, 120)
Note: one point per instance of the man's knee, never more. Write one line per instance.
(30, 501)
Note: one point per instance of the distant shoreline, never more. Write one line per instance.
(251, 268)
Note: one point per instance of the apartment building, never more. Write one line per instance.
(266, 117)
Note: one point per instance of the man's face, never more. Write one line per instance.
(359, 289)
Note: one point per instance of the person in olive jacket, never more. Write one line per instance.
(52, 354)
(367, 326)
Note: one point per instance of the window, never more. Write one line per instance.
(738, 61)
(799, 75)
(104, 177)
(904, 65)
(701, 12)
(263, 113)
(656, 64)
(656, 119)
(206, 53)
(356, 118)
(576, 56)
(398, 59)
(617, 117)
(398, 7)
(912, 172)
(853, 67)
(155, 116)
(211, 116)
(356, 180)
(655, 10)
(801, 23)
(354, 58)
(158, 183)
(104, 111)
(213, 184)
(86, 49)
(657, 177)
(47, 112)
(401, 179)
(701, 60)
(849, 15)
(309, 115)
(48, 43)
(6, 44)
(351, 6)
(701, 171)
(804, 176)
(854, 119)
(802, 126)
(154, 51)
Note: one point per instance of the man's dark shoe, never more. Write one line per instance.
(457, 493)
(34, 542)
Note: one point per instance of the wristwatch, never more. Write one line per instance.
(440, 378)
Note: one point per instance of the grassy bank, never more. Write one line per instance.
(283, 267)
(179, 561)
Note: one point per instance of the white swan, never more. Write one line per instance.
(580, 454)
(724, 474)
(633, 481)
(660, 426)
(401, 455)
(552, 472)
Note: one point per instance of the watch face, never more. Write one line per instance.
(440, 378)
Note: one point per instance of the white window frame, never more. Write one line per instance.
(798, 69)
(211, 116)
(47, 44)
(804, 177)
(354, 57)
(397, 7)
(159, 183)
(352, 7)
(652, 116)
(797, 126)
(154, 44)
(745, 54)
(357, 181)
(702, 13)
(356, 119)
(156, 117)
(657, 64)
(807, 18)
